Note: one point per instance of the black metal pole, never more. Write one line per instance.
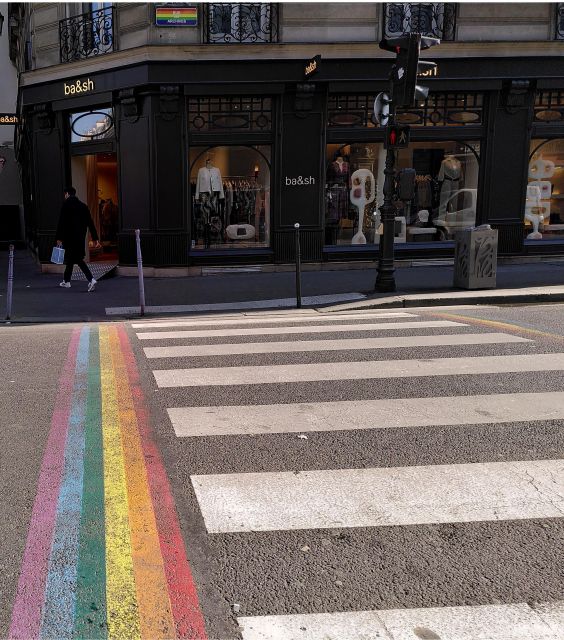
(385, 280)
(10, 283)
(298, 267)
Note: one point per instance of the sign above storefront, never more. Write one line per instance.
(78, 86)
(312, 66)
(430, 73)
(8, 118)
(176, 16)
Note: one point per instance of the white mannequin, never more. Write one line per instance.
(359, 199)
(449, 175)
(532, 210)
(209, 180)
(540, 168)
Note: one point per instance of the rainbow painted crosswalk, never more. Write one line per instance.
(104, 556)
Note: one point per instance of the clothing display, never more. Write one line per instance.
(449, 175)
(338, 190)
(209, 180)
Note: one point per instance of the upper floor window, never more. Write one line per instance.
(435, 19)
(88, 34)
(240, 23)
(559, 8)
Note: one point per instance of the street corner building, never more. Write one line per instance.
(214, 128)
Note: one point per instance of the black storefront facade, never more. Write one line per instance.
(216, 161)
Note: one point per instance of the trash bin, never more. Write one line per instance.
(475, 258)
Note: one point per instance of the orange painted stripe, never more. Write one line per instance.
(156, 620)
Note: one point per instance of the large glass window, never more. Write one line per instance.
(230, 191)
(92, 125)
(445, 193)
(544, 203)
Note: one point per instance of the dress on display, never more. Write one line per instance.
(449, 176)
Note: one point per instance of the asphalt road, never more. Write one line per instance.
(277, 528)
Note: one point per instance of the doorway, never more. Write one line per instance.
(95, 178)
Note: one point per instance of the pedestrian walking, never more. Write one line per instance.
(74, 220)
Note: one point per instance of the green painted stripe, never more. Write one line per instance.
(90, 616)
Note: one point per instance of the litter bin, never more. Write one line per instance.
(475, 258)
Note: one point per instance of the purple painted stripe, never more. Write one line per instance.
(26, 613)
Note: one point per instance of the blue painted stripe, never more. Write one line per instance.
(60, 592)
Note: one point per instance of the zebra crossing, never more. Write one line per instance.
(391, 468)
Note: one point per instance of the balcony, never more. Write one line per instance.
(240, 23)
(434, 19)
(87, 35)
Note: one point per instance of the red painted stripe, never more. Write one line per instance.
(182, 590)
(26, 613)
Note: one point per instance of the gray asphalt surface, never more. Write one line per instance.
(344, 569)
(366, 568)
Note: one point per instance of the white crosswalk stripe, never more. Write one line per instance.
(487, 622)
(312, 317)
(302, 498)
(345, 344)
(261, 374)
(270, 331)
(366, 414)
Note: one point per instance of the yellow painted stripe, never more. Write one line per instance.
(515, 328)
(155, 611)
(121, 598)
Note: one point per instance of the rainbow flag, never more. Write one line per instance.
(176, 17)
(105, 556)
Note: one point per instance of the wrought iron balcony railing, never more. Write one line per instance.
(87, 35)
(240, 23)
(559, 8)
(435, 19)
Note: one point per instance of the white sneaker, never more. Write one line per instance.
(91, 285)
(65, 285)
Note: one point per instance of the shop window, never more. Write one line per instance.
(230, 193)
(234, 113)
(544, 202)
(87, 126)
(435, 19)
(445, 194)
(460, 109)
(227, 23)
(549, 106)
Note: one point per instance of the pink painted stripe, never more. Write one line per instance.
(181, 587)
(26, 613)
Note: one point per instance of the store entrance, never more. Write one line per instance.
(95, 178)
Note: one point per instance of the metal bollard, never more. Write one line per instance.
(10, 283)
(298, 267)
(140, 271)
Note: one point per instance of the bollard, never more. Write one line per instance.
(298, 267)
(140, 272)
(10, 283)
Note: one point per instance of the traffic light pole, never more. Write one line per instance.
(385, 280)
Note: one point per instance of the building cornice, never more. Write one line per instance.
(286, 51)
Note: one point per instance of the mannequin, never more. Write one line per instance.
(533, 210)
(449, 176)
(359, 198)
(338, 179)
(209, 191)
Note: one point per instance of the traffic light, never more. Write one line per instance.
(405, 90)
(397, 137)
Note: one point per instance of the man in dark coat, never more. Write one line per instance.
(74, 220)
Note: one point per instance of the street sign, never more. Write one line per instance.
(176, 16)
(382, 108)
(397, 137)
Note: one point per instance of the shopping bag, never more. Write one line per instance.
(58, 255)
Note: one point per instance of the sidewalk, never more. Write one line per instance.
(38, 298)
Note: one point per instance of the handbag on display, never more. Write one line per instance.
(58, 255)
